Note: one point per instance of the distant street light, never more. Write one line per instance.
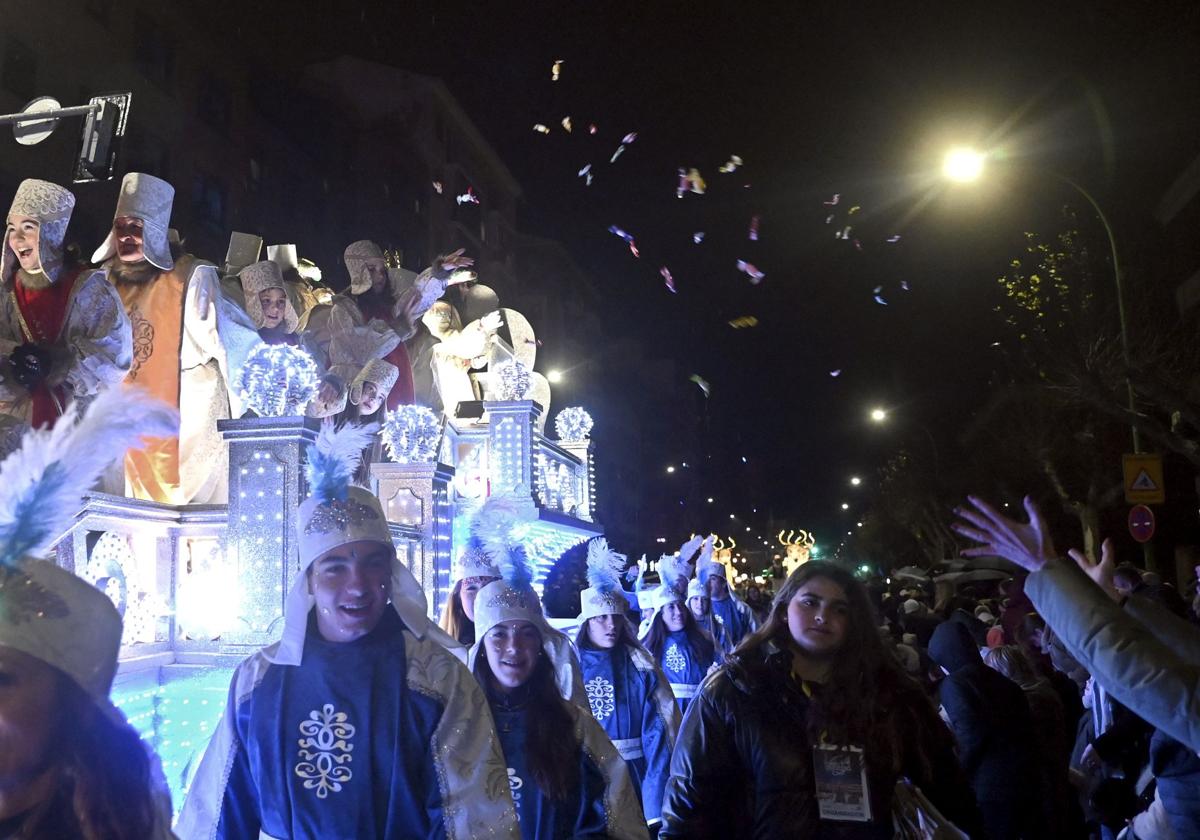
(878, 415)
(670, 469)
(845, 506)
(855, 481)
(554, 376)
(963, 165)
(710, 500)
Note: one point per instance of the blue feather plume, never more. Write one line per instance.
(604, 566)
(334, 457)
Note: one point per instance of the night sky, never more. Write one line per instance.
(817, 99)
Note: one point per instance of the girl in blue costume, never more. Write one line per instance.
(629, 695)
(566, 777)
(685, 651)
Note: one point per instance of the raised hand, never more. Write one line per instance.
(1026, 544)
(454, 261)
(1102, 572)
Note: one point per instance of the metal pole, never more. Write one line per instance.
(35, 117)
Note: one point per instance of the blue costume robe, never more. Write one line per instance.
(736, 619)
(599, 803)
(385, 736)
(683, 666)
(626, 702)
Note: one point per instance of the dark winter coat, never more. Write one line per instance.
(990, 717)
(743, 764)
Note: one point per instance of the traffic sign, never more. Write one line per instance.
(1144, 479)
(1141, 523)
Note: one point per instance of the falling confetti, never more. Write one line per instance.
(592, 128)
(844, 233)
(468, 197)
(556, 70)
(754, 229)
(836, 198)
(702, 383)
(698, 237)
(731, 165)
(894, 239)
(629, 138)
(857, 245)
(566, 123)
(627, 237)
(691, 181)
(586, 173)
(904, 286)
(744, 322)
(853, 210)
(437, 187)
(835, 373)
(667, 279)
(829, 219)
(749, 269)
(541, 129)
(879, 297)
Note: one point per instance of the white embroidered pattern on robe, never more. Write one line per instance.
(674, 659)
(601, 697)
(325, 750)
(515, 783)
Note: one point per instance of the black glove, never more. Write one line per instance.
(30, 365)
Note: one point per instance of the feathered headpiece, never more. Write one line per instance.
(604, 566)
(43, 482)
(334, 457)
(496, 529)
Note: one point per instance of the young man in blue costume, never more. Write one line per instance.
(735, 616)
(358, 723)
(629, 695)
(567, 779)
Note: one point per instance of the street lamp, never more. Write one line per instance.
(878, 415)
(963, 164)
(845, 506)
(554, 376)
(670, 469)
(855, 481)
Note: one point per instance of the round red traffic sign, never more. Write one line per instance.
(1141, 523)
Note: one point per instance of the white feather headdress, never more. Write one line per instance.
(42, 483)
(604, 566)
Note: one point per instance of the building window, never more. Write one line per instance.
(154, 52)
(208, 201)
(19, 74)
(214, 103)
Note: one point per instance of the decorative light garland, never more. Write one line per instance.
(512, 380)
(278, 380)
(411, 434)
(573, 424)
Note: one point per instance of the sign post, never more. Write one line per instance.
(1144, 479)
(1141, 523)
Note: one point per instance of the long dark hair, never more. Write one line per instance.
(868, 699)
(628, 635)
(454, 617)
(699, 640)
(553, 759)
(103, 789)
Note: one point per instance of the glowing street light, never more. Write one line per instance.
(855, 481)
(554, 376)
(878, 415)
(670, 469)
(845, 506)
(710, 500)
(963, 165)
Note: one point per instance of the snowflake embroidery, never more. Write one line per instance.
(515, 784)
(674, 658)
(325, 750)
(601, 697)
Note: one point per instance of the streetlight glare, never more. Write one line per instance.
(554, 376)
(878, 415)
(670, 469)
(963, 165)
(845, 506)
(855, 480)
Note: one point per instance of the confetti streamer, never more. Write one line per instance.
(835, 373)
(698, 237)
(627, 237)
(541, 129)
(691, 181)
(731, 165)
(592, 128)
(629, 138)
(556, 70)
(566, 123)
(703, 384)
(836, 198)
(751, 271)
(853, 210)
(894, 239)
(904, 286)
(744, 322)
(829, 219)
(754, 229)
(586, 173)
(879, 297)
(667, 279)
(844, 233)
(437, 187)
(468, 197)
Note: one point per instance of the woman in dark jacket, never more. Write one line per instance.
(815, 675)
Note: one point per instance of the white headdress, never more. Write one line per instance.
(381, 374)
(244, 249)
(45, 611)
(147, 198)
(604, 595)
(357, 253)
(336, 514)
(51, 205)
(494, 527)
(258, 277)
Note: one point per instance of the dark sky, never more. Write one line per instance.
(817, 98)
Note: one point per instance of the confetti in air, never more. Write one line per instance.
(586, 173)
(877, 291)
(701, 383)
(437, 187)
(668, 280)
(853, 210)
(556, 70)
(541, 129)
(730, 165)
(691, 181)
(698, 237)
(566, 123)
(750, 271)
(616, 231)
(835, 373)
(904, 286)
(629, 138)
(829, 219)
(592, 128)
(836, 198)
(844, 233)
(468, 197)
(754, 229)
(744, 322)
(894, 239)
